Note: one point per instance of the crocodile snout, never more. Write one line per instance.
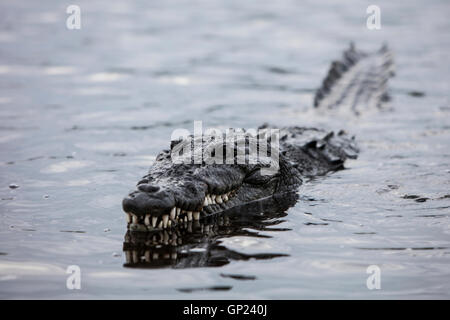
(148, 199)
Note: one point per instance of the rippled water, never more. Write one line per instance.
(84, 112)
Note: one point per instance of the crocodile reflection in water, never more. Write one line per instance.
(199, 243)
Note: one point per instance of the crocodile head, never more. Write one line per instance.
(177, 190)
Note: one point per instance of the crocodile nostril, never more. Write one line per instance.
(147, 187)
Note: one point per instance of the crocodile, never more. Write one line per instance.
(174, 194)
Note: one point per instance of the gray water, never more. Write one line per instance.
(84, 112)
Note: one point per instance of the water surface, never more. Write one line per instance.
(84, 112)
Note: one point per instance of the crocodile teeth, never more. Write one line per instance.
(165, 219)
(205, 202)
(128, 216)
(178, 211)
(147, 220)
(160, 225)
(225, 198)
(196, 215)
(189, 215)
(169, 223)
(135, 219)
(173, 213)
(154, 220)
(219, 199)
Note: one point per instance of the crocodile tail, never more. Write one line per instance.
(358, 81)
